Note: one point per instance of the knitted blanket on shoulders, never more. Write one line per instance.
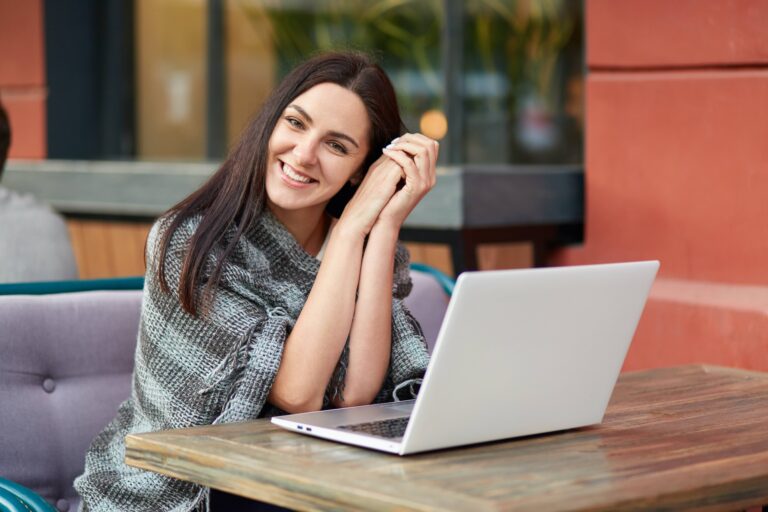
(218, 367)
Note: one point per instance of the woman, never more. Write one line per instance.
(257, 299)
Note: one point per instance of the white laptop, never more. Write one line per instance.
(519, 352)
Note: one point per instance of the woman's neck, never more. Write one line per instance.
(308, 228)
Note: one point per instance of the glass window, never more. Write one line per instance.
(170, 42)
(499, 81)
(265, 39)
(522, 91)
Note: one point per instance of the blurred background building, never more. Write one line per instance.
(498, 82)
(178, 79)
(662, 104)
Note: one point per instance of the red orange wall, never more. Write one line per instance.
(22, 75)
(677, 170)
(676, 161)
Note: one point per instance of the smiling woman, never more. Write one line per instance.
(278, 285)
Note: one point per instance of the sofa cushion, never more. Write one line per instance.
(428, 302)
(65, 366)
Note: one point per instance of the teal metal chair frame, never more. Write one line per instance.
(137, 283)
(17, 498)
(446, 282)
(78, 285)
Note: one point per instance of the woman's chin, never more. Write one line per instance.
(278, 202)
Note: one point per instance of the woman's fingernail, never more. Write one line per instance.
(394, 140)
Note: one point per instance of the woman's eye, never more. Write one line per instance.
(338, 147)
(294, 122)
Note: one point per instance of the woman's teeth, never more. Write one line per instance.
(294, 175)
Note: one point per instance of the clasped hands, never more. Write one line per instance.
(394, 185)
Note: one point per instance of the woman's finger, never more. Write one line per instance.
(404, 161)
(412, 148)
(412, 176)
(420, 155)
(434, 151)
(382, 165)
(419, 139)
(431, 148)
(392, 167)
(424, 152)
(411, 142)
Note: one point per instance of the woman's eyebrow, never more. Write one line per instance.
(302, 112)
(344, 136)
(338, 135)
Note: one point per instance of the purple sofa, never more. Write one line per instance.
(65, 366)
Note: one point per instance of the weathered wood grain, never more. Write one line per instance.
(692, 437)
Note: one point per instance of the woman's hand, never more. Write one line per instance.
(416, 155)
(373, 194)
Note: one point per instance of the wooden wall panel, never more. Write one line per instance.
(127, 243)
(108, 249)
(115, 249)
(435, 255)
(489, 256)
(505, 256)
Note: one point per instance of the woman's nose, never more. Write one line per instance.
(305, 151)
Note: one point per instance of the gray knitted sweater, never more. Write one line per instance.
(219, 367)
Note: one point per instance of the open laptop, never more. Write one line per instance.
(519, 352)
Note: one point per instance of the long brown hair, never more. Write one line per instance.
(5, 138)
(236, 191)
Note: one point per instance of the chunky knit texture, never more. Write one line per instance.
(218, 367)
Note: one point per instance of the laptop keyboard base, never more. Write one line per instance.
(387, 429)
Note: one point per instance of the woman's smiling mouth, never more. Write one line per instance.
(293, 177)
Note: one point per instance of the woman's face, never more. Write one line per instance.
(318, 144)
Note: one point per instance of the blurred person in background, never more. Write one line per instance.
(34, 243)
(278, 285)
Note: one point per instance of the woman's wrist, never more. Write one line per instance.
(349, 230)
(386, 229)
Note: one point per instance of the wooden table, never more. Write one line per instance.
(691, 437)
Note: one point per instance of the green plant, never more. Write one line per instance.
(404, 34)
(531, 35)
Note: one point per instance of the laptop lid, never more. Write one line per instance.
(528, 351)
